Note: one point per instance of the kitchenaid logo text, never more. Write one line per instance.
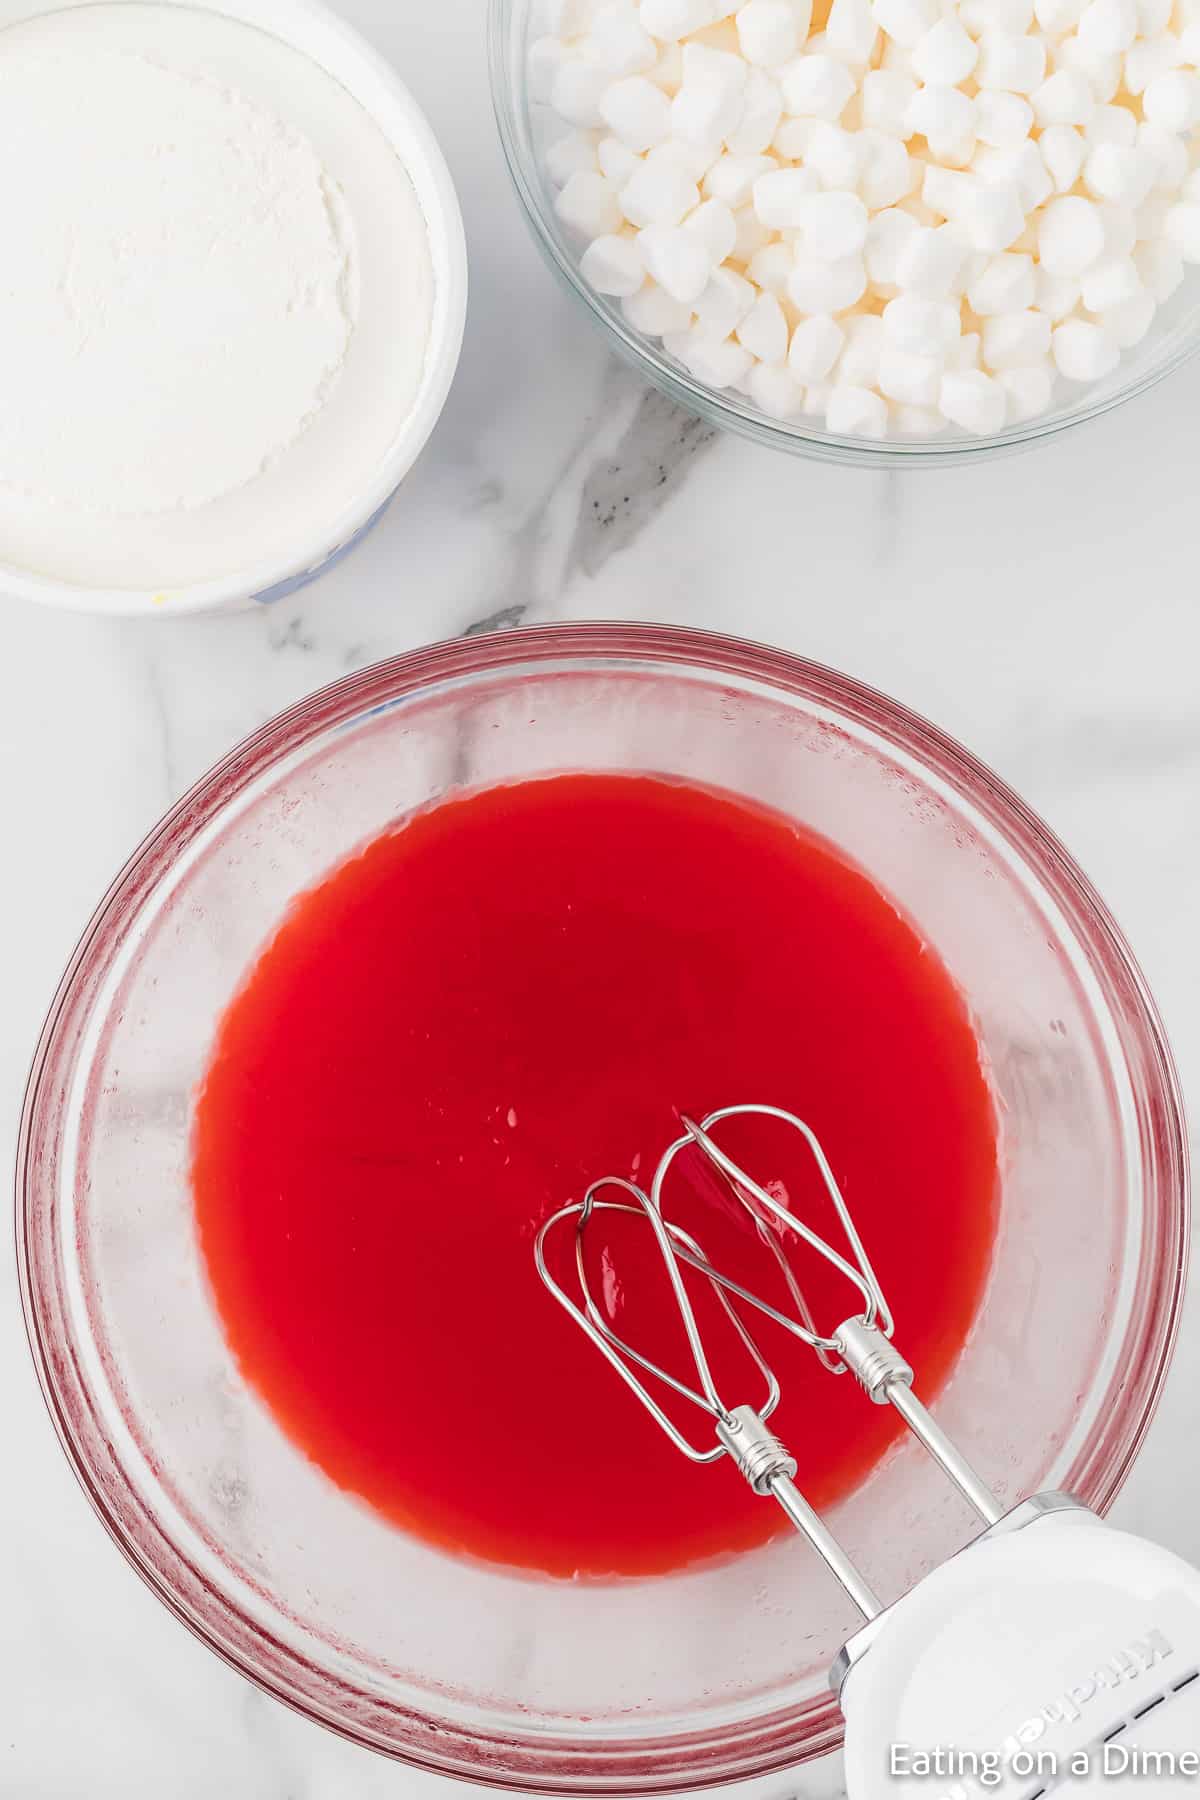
(1022, 1754)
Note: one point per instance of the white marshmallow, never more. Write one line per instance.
(858, 364)
(780, 197)
(1029, 390)
(1111, 125)
(895, 59)
(945, 54)
(965, 354)
(922, 327)
(1120, 229)
(790, 142)
(852, 30)
(888, 236)
(1056, 295)
(856, 412)
(1108, 27)
(1016, 64)
(1154, 16)
(1123, 176)
(1057, 17)
(717, 362)
(1083, 352)
(1002, 120)
(762, 110)
(1183, 230)
(906, 21)
(769, 268)
(832, 226)
(677, 260)
(575, 154)
(948, 192)
(1013, 16)
(908, 377)
(752, 234)
(1070, 235)
(1168, 152)
(655, 312)
(1102, 73)
(546, 57)
(613, 265)
(588, 205)
(637, 112)
(973, 401)
(670, 20)
(834, 155)
(816, 345)
(768, 32)
(1007, 284)
(930, 261)
(1173, 100)
(775, 391)
(1064, 98)
(714, 224)
(815, 286)
(1143, 61)
(1022, 168)
(764, 330)
(711, 101)
(1161, 268)
(886, 95)
(577, 91)
(817, 397)
(992, 214)
(816, 87)
(732, 178)
(724, 303)
(917, 421)
(941, 114)
(1063, 151)
(667, 72)
(618, 42)
(618, 164)
(658, 193)
(1128, 323)
(886, 175)
(1013, 340)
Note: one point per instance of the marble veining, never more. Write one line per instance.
(1044, 609)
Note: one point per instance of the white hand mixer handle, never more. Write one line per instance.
(1061, 1659)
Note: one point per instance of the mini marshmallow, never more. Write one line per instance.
(790, 142)
(1070, 235)
(858, 364)
(670, 20)
(1168, 152)
(775, 391)
(816, 345)
(965, 354)
(1108, 27)
(770, 267)
(1029, 390)
(930, 261)
(1063, 151)
(667, 72)
(711, 101)
(1022, 168)
(588, 205)
(658, 194)
(973, 401)
(618, 164)
(575, 154)
(714, 224)
(817, 397)
(816, 87)
(618, 42)
(1102, 73)
(906, 376)
(1183, 230)
(718, 363)
(546, 57)
(906, 21)
(1160, 267)
(637, 112)
(1123, 176)
(1120, 229)
(833, 155)
(886, 95)
(922, 327)
(577, 91)
(724, 303)
(1007, 284)
(762, 110)
(613, 265)
(832, 226)
(1013, 16)
(945, 54)
(780, 197)
(888, 236)
(1016, 64)
(752, 234)
(732, 178)
(886, 175)
(1128, 323)
(1154, 16)
(655, 312)
(1143, 61)
(917, 421)
(941, 114)
(1172, 100)
(1083, 352)
(992, 215)
(947, 192)
(1002, 120)
(677, 260)
(856, 412)
(815, 286)
(1111, 125)
(768, 32)
(1064, 98)
(851, 30)
(1012, 340)
(764, 330)
(1057, 17)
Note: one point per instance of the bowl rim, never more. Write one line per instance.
(711, 1756)
(302, 25)
(731, 411)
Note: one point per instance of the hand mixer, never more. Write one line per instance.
(1055, 1655)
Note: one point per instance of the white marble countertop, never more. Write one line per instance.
(1044, 609)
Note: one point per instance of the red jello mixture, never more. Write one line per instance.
(471, 1020)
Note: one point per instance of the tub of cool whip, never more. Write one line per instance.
(235, 295)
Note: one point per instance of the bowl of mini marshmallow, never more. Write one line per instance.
(870, 231)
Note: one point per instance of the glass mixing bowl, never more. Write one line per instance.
(525, 130)
(638, 1686)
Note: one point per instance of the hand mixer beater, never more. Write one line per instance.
(1055, 1655)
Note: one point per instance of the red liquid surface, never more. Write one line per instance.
(476, 1017)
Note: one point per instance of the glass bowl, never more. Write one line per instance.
(717, 1673)
(525, 130)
